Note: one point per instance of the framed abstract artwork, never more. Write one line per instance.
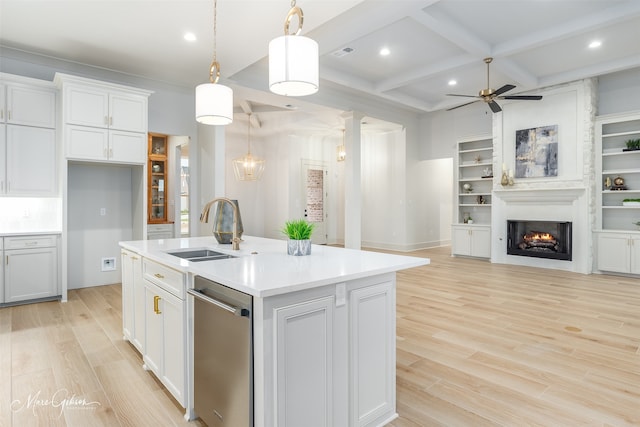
(537, 152)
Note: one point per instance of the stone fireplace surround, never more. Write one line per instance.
(566, 197)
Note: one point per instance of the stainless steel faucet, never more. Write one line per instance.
(204, 217)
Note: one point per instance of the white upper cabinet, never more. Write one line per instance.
(27, 137)
(102, 121)
(30, 106)
(87, 106)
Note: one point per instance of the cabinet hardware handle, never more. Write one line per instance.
(156, 299)
(159, 276)
(106, 120)
(7, 259)
(134, 258)
(1, 114)
(9, 114)
(110, 152)
(111, 121)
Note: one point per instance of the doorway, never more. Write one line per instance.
(314, 189)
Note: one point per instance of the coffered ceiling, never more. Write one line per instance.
(535, 43)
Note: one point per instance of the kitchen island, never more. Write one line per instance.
(323, 325)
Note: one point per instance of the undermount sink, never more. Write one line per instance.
(197, 255)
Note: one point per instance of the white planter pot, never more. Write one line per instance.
(299, 247)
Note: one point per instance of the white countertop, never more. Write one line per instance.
(263, 268)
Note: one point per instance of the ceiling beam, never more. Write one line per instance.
(246, 107)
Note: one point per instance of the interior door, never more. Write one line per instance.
(314, 176)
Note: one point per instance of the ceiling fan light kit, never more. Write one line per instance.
(489, 95)
(214, 102)
(293, 60)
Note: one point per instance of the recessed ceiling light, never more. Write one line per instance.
(594, 44)
(452, 82)
(385, 51)
(190, 37)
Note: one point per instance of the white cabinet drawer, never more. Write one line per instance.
(27, 242)
(172, 281)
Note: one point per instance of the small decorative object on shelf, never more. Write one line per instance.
(467, 187)
(487, 173)
(504, 181)
(631, 202)
(618, 184)
(637, 224)
(470, 220)
(632, 145)
(607, 183)
(465, 217)
(299, 233)
(510, 179)
(477, 159)
(480, 200)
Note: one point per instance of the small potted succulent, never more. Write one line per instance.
(632, 145)
(299, 233)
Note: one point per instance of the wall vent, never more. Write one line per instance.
(342, 52)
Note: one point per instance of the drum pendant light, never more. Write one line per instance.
(214, 102)
(293, 60)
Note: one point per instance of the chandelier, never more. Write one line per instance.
(248, 167)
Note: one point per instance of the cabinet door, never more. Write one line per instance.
(372, 355)
(31, 106)
(165, 341)
(304, 363)
(86, 106)
(460, 241)
(481, 242)
(23, 281)
(3, 157)
(153, 328)
(128, 112)
(132, 299)
(85, 143)
(31, 160)
(635, 255)
(3, 111)
(174, 343)
(128, 313)
(127, 147)
(613, 253)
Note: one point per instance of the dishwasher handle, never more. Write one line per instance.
(236, 311)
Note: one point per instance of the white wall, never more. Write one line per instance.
(619, 92)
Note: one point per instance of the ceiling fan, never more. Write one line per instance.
(489, 95)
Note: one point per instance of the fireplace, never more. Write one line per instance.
(539, 239)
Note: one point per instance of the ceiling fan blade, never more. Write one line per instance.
(466, 96)
(494, 106)
(468, 103)
(504, 89)
(523, 97)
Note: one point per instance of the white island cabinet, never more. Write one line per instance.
(323, 326)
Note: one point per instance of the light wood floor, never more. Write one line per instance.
(478, 344)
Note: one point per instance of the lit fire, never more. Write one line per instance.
(538, 237)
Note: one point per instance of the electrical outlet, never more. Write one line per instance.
(103, 211)
(108, 264)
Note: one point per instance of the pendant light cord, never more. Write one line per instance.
(214, 69)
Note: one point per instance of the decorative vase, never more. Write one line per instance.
(223, 222)
(505, 179)
(299, 247)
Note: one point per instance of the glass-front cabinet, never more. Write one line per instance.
(157, 179)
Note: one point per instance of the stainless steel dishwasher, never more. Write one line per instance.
(223, 354)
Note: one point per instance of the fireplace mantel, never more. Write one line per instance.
(541, 195)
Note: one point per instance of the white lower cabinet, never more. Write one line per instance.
(618, 252)
(165, 339)
(30, 268)
(327, 356)
(471, 240)
(132, 299)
